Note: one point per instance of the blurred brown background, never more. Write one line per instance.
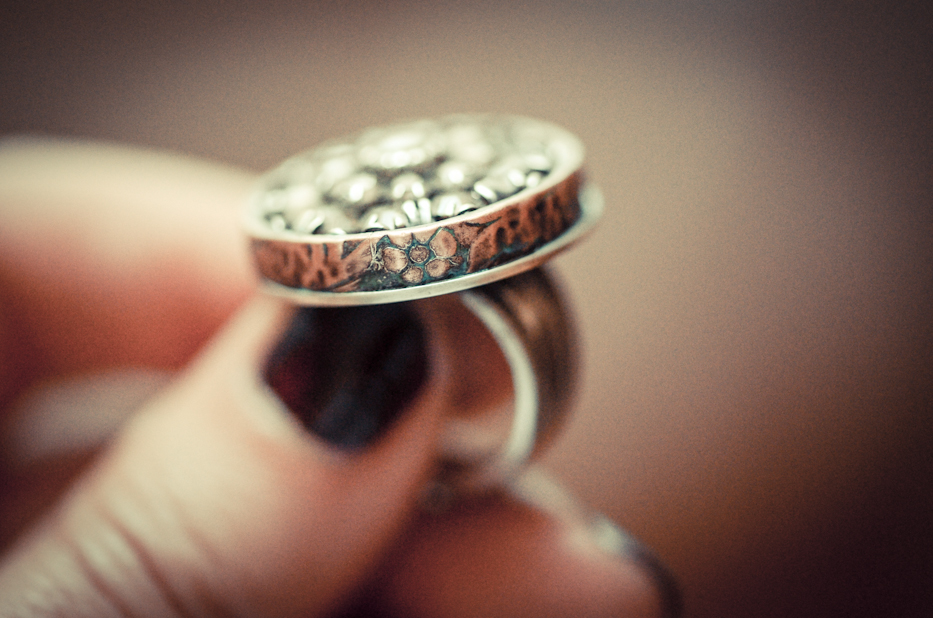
(756, 306)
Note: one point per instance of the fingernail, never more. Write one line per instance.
(347, 373)
(614, 540)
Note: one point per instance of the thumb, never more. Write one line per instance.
(217, 500)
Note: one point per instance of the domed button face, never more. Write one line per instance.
(407, 186)
(384, 218)
(495, 188)
(472, 145)
(337, 222)
(358, 189)
(332, 169)
(446, 205)
(417, 211)
(400, 148)
(308, 221)
(538, 162)
(299, 199)
(454, 175)
(404, 176)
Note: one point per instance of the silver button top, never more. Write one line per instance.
(405, 175)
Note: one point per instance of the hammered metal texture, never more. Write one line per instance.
(416, 203)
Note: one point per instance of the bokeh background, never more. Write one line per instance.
(757, 306)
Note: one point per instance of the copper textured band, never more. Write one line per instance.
(416, 205)
(403, 258)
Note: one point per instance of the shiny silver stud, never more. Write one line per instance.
(428, 170)
(384, 218)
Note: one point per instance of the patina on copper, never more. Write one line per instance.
(416, 204)
(409, 257)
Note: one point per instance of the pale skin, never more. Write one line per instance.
(212, 500)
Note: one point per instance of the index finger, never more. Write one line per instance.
(112, 256)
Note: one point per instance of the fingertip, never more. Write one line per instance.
(114, 256)
(536, 488)
(218, 492)
(633, 553)
(500, 555)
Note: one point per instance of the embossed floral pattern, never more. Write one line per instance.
(419, 262)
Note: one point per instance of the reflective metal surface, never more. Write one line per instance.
(419, 209)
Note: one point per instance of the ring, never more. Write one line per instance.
(530, 322)
(419, 209)
(469, 203)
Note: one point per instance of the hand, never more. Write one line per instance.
(214, 498)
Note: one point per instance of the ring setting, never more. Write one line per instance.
(419, 209)
(467, 204)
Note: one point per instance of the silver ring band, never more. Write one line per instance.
(531, 324)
